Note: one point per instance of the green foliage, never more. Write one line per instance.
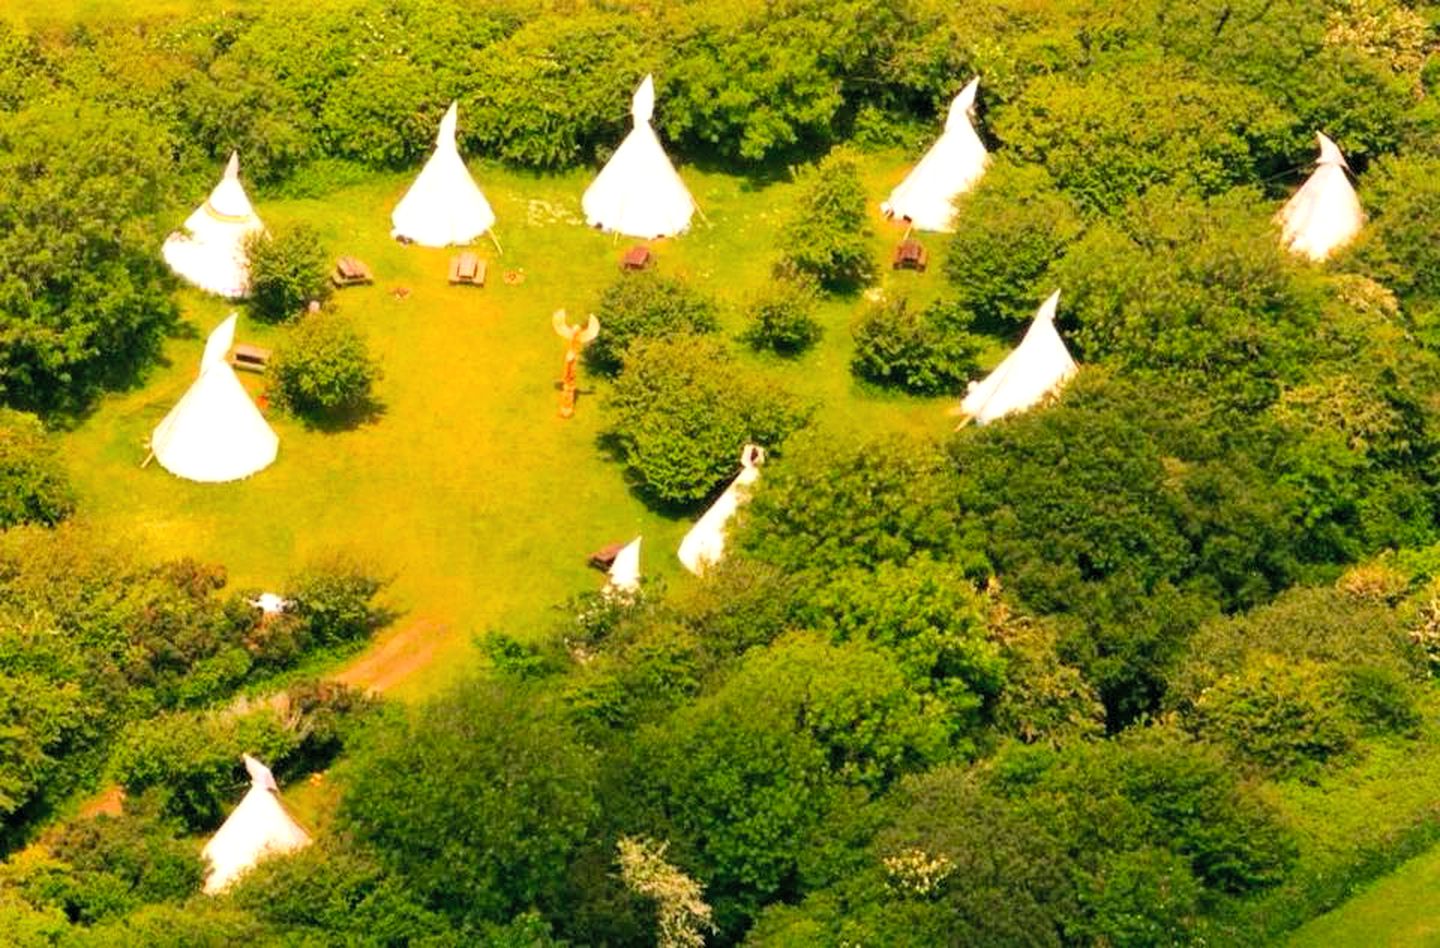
(682, 412)
(782, 319)
(1108, 137)
(334, 599)
(1009, 230)
(478, 803)
(827, 233)
(1397, 245)
(925, 352)
(646, 305)
(323, 370)
(384, 114)
(83, 295)
(34, 486)
(289, 269)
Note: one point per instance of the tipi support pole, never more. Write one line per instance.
(496, 240)
(148, 458)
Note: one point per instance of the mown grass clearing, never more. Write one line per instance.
(468, 489)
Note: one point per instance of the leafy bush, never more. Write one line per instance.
(782, 319)
(34, 487)
(335, 600)
(923, 352)
(323, 369)
(384, 114)
(1009, 230)
(1398, 244)
(288, 270)
(479, 803)
(645, 305)
(683, 410)
(827, 235)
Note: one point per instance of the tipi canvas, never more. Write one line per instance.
(705, 543)
(951, 166)
(210, 251)
(257, 828)
(638, 193)
(1324, 215)
(624, 575)
(444, 206)
(1036, 367)
(215, 433)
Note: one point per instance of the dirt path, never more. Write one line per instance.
(395, 657)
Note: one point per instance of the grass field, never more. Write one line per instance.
(1398, 910)
(468, 489)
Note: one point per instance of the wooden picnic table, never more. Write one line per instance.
(910, 255)
(249, 358)
(604, 557)
(467, 268)
(637, 257)
(350, 271)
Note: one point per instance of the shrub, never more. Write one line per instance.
(683, 410)
(645, 305)
(783, 320)
(1009, 230)
(288, 270)
(1398, 245)
(335, 601)
(323, 369)
(924, 352)
(34, 487)
(827, 235)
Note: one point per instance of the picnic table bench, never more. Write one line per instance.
(349, 271)
(467, 268)
(637, 257)
(604, 558)
(249, 358)
(909, 255)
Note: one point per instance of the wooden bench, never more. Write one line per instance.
(909, 255)
(637, 257)
(603, 558)
(248, 358)
(349, 271)
(467, 268)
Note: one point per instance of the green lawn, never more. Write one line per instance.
(469, 490)
(1400, 909)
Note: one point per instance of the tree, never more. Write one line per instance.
(925, 352)
(683, 411)
(684, 917)
(827, 235)
(646, 305)
(479, 803)
(288, 270)
(34, 486)
(782, 319)
(323, 369)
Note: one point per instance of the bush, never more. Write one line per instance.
(782, 319)
(683, 410)
(288, 270)
(34, 487)
(645, 305)
(1009, 230)
(323, 369)
(335, 601)
(827, 235)
(1400, 244)
(923, 352)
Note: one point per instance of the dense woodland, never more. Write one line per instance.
(1077, 677)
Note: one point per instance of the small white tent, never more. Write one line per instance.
(215, 432)
(951, 167)
(625, 570)
(210, 251)
(1324, 215)
(705, 543)
(1034, 369)
(638, 193)
(257, 828)
(444, 206)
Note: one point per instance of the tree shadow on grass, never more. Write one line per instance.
(350, 418)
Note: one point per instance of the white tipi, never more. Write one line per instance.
(1034, 369)
(1324, 215)
(215, 432)
(210, 250)
(951, 166)
(624, 574)
(257, 828)
(705, 543)
(444, 205)
(638, 193)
